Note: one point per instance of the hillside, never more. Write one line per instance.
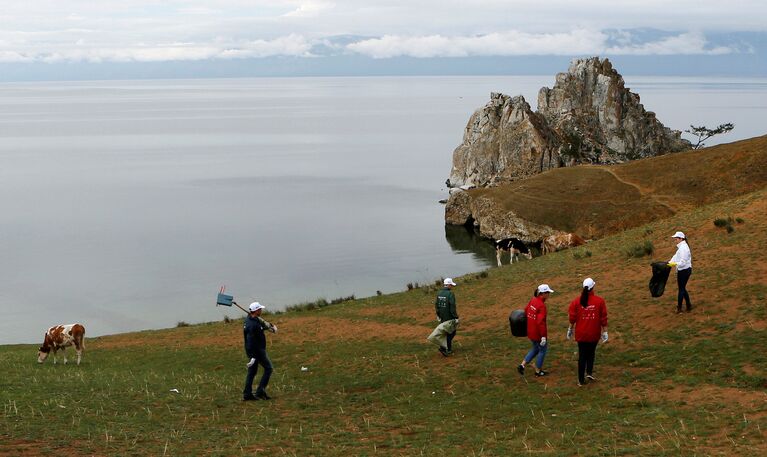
(597, 200)
(668, 385)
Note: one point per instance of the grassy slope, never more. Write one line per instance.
(692, 384)
(595, 201)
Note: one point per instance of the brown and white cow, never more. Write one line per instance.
(61, 337)
(561, 241)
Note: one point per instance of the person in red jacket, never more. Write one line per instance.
(536, 329)
(588, 313)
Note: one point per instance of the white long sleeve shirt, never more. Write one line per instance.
(683, 257)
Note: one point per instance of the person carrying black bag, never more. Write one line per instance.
(682, 260)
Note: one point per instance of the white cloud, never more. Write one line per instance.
(147, 30)
(498, 44)
(514, 43)
(81, 51)
(310, 9)
(686, 43)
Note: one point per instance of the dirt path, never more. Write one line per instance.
(642, 191)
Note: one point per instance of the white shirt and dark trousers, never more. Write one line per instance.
(683, 260)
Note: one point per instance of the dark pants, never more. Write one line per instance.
(450, 337)
(261, 359)
(682, 276)
(586, 354)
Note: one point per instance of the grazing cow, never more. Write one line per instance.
(514, 247)
(60, 337)
(560, 241)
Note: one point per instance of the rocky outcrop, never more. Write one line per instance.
(490, 220)
(589, 116)
(502, 141)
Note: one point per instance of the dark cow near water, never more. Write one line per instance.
(514, 247)
(61, 337)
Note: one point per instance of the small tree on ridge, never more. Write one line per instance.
(703, 133)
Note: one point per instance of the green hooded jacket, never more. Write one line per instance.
(445, 305)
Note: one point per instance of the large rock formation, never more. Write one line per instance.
(490, 220)
(587, 117)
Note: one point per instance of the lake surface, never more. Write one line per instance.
(127, 204)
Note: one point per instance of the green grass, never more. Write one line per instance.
(668, 385)
(640, 249)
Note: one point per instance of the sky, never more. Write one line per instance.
(42, 38)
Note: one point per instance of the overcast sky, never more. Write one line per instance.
(167, 30)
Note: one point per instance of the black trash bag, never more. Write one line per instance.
(660, 272)
(518, 322)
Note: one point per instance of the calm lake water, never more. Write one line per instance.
(127, 204)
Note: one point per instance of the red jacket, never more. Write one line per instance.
(536, 319)
(589, 320)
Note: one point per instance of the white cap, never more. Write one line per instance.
(449, 282)
(589, 283)
(255, 306)
(543, 288)
(679, 235)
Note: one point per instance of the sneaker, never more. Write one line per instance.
(541, 373)
(250, 398)
(443, 351)
(262, 396)
(688, 309)
(590, 377)
(580, 384)
(448, 352)
(521, 369)
(679, 311)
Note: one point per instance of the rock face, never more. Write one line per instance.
(587, 117)
(488, 218)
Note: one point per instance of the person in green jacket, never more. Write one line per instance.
(447, 315)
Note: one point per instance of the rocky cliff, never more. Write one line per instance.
(491, 220)
(589, 116)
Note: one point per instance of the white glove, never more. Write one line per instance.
(273, 329)
(456, 321)
(250, 364)
(543, 341)
(439, 320)
(604, 336)
(569, 333)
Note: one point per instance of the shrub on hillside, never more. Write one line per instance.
(338, 300)
(640, 249)
(182, 324)
(305, 306)
(721, 222)
(578, 255)
(727, 223)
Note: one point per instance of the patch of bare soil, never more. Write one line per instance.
(303, 329)
(750, 402)
(29, 448)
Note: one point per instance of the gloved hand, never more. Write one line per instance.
(273, 328)
(250, 364)
(456, 321)
(569, 333)
(543, 341)
(672, 264)
(439, 320)
(604, 336)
